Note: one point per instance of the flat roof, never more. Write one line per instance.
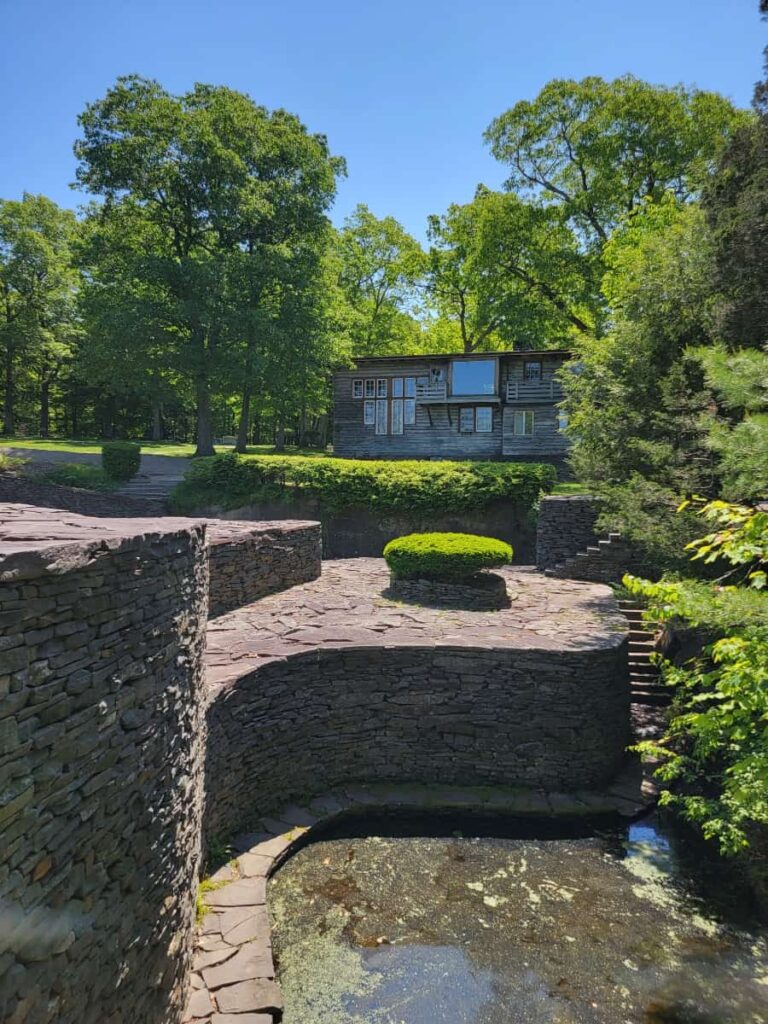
(464, 355)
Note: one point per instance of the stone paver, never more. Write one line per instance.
(347, 607)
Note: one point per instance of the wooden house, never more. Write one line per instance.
(485, 405)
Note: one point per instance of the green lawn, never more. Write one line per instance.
(173, 448)
(571, 487)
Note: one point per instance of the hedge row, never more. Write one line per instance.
(383, 488)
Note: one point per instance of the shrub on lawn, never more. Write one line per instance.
(121, 459)
(444, 556)
(385, 488)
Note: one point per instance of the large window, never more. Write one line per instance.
(381, 416)
(397, 415)
(474, 376)
(524, 422)
(484, 419)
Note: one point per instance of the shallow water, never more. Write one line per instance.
(609, 927)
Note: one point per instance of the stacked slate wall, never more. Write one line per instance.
(250, 560)
(566, 524)
(556, 719)
(101, 739)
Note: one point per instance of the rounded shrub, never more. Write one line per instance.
(120, 460)
(444, 556)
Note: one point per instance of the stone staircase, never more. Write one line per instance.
(150, 488)
(644, 680)
(604, 562)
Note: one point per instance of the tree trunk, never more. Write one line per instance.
(157, 420)
(245, 416)
(280, 436)
(204, 420)
(9, 420)
(45, 407)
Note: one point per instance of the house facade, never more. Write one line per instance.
(489, 405)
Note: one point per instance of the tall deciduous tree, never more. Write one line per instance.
(379, 270)
(509, 273)
(598, 149)
(38, 281)
(206, 179)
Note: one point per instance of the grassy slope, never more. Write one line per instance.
(148, 447)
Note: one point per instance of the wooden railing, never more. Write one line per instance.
(534, 391)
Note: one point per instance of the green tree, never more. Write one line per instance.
(636, 399)
(509, 274)
(379, 270)
(203, 181)
(38, 283)
(598, 149)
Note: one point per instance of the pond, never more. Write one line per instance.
(409, 921)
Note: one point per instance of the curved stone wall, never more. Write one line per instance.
(101, 737)
(523, 698)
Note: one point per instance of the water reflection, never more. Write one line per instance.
(560, 924)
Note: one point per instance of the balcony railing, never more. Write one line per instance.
(534, 391)
(431, 392)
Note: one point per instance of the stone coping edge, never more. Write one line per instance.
(233, 973)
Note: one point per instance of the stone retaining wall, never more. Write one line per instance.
(566, 524)
(28, 491)
(556, 719)
(249, 560)
(101, 736)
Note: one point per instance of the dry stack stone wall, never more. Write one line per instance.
(566, 524)
(101, 739)
(249, 560)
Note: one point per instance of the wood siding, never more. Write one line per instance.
(436, 432)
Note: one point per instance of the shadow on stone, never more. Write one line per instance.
(482, 592)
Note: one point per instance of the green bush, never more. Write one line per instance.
(79, 474)
(385, 488)
(444, 556)
(121, 459)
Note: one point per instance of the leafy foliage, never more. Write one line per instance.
(444, 556)
(384, 488)
(120, 460)
(715, 753)
(80, 474)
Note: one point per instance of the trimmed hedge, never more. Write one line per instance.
(120, 460)
(387, 488)
(444, 556)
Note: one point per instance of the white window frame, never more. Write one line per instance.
(381, 388)
(521, 421)
(467, 415)
(409, 412)
(357, 389)
(370, 388)
(484, 409)
(397, 387)
(396, 416)
(410, 387)
(381, 415)
(369, 412)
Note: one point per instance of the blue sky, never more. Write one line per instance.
(403, 90)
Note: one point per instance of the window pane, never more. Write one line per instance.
(410, 411)
(369, 413)
(532, 371)
(370, 388)
(467, 420)
(381, 387)
(474, 376)
(397, 416)
(357, 389)
(381, 417)
(410, 387)
(562, 420)
(523, 421)
(397, 387)
(484, 420)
